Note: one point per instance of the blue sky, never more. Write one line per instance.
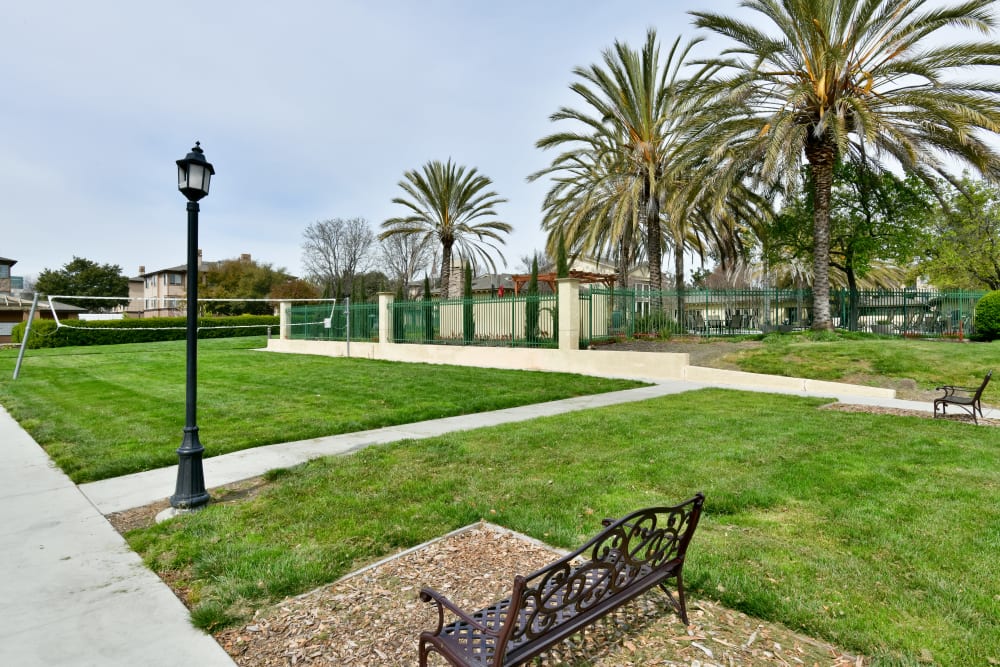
(308, 110)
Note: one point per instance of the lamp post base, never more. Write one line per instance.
(190, 491)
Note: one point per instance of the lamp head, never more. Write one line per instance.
(194, 174)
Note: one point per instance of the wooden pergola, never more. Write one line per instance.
(549, 279)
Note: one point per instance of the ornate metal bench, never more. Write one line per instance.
(969, 403)
(627, 558)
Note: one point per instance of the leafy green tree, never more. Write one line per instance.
(988, 317)
(294, 288)
(850, 77)
(877, 226)
(468, 321)
(428, 311)
(963, 250)
(84, 277)
(453, 206)
(241, 279)
(562, 264)
(532, 306)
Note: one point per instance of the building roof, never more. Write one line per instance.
(10, 302)
(204, 266)
(10, 262)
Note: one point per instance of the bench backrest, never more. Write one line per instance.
(986, 380)
(587, 581)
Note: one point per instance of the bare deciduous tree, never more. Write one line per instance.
(336, 250)
(405, 255)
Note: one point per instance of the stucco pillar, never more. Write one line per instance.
(569, 313)
(385, 301)
(284, 328)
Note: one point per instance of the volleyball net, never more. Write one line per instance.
(108, 313)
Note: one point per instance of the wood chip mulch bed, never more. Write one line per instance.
(878, 410)
(374, 617)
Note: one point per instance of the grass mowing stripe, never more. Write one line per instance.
(829, 522)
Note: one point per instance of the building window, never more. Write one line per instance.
(175, 279)
(4, 271)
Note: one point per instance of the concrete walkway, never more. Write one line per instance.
(73, 594)
(71, 591)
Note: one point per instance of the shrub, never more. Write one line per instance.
(657, 323)
(146, 330)
(988, 316)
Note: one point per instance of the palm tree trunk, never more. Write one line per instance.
(624, 261)
(445, 269)
(820, 154)
(653, 248)
(679, 279)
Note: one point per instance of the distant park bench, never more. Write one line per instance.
(970, 402)
(627, 558)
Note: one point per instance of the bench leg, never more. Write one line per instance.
(423, 653)
(678, 603)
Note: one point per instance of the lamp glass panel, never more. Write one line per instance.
(182, 176)
(196, 177)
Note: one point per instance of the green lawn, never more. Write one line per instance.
(111, 410)
(878, 533)
(877, 361)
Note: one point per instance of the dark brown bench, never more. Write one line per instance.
(970, 403)
(627, 558)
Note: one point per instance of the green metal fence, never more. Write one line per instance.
(608, 313)
(510, 321)
(357, 321)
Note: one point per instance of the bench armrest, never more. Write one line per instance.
(431, 595)
(949, 389)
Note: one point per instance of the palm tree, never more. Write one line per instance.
(851, 77)
(592, 206)
(630, 131)
(450, 205)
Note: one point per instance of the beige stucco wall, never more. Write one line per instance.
(653, 366)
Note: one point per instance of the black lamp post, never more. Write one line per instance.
(193, 176)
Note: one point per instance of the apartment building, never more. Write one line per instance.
(163, 293)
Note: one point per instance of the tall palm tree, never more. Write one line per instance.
(453, 206)
(843, 77)
(632, 125)
(592, 205)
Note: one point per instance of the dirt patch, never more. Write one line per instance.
(145, 516)
(709, 353)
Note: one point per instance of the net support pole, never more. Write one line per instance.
(27, 331)
(347, 310)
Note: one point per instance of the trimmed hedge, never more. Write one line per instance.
(988, 316)
(145, 330)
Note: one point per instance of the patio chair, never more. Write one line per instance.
(970, 403)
